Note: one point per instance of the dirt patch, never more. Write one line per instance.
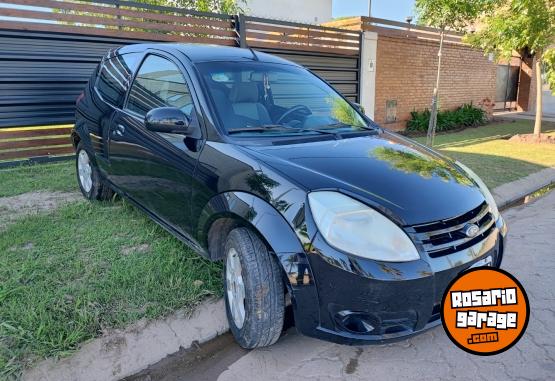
(16, 207)
(531, 138)
(27, 246)
(139, 249)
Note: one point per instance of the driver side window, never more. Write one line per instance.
(159, 83)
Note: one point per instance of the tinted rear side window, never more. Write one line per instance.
(114, 77)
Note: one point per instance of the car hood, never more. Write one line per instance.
(410, 183)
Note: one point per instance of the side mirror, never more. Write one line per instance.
(170, 120)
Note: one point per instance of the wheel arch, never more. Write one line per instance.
(75, 139)
(229, 210)
(80, 133)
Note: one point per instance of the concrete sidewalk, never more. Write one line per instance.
(516, 115)
(530, 257)
(548, 107)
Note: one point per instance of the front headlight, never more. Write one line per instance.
(353, 227)
(483, 187)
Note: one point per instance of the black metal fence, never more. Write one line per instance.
(49, 48)
(46, 60)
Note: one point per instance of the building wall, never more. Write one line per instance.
(406, 72)
(304, 11)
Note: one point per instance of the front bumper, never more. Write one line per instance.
(350, 300)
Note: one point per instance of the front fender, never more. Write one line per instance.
(248, 209)
(251, 210)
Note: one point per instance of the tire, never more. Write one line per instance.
(91, 184)
(264, 298)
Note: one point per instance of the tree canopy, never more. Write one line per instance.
(502, 27)
(525, 26)
(516, 25)
(450, 14)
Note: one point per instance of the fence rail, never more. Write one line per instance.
(396, 29)
(16, 144)
(271, 34)
(119, 19)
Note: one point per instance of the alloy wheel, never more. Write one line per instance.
(84, 171)
(235, 287)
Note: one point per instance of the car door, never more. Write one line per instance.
(156, 169)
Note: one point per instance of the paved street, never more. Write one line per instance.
(548, 103)
(530, 257)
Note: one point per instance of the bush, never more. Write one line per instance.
(465, 116)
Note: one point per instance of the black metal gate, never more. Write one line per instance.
(49, 48)
(46, 60)
(343, 73)
(41, 75)
(506, 88)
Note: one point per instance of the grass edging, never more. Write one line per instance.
(126, 352)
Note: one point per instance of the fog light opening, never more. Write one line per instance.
(355, 322)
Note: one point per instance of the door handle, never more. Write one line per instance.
(119, 130)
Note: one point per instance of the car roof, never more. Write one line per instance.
(206, 53)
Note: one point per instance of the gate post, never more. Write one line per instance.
(368, 59)
(241, 30)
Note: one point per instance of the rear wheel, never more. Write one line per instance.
(90, 182)
(254, 292)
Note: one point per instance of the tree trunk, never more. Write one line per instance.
(539, 96)
(433, 117)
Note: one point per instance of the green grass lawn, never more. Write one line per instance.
(29, 178)
(495, 159)
(68, 276)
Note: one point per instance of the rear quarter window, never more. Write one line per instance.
(114, 77)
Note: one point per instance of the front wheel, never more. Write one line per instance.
(90, 182)
(254, 292)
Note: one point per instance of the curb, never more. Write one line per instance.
(127, 352)
(514, 191)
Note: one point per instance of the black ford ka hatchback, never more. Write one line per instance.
(255, 161)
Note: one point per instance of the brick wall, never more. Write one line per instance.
(406, 72)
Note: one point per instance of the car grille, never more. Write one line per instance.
(448, 236)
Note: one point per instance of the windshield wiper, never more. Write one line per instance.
(265, 127)
(326, 130)
(341, 124)
(277, 127)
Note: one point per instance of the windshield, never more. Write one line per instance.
(262, 98)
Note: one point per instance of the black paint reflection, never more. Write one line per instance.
(426, 167)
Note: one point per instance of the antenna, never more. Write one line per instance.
(254, 54)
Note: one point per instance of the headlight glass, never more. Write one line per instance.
(353, 227)
(483, 187)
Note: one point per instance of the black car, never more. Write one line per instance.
(254, 160)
